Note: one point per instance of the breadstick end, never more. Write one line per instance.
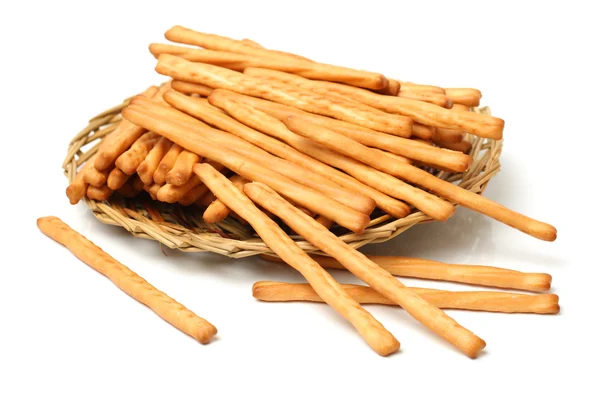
(538, 282)
(474, 348)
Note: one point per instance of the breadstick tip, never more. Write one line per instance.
(540, 282)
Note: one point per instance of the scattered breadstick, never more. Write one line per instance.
(166, 164)
(366, 270)
(182, 169)
(78, 187)
(191, 88)
(148, 167)
(328, 289)
(127, 280)
(101, 193)
(218, 211)
(130, 160)
(427, 269)
(116, 179)
(466, 97)
(94, 177)
(501, 302)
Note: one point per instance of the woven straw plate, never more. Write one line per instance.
(182, 228)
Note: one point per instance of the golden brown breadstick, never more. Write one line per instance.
(415, 87)
(127, 280)
(94, 177)
(130, 160)
(291, 63)
(344, 145)
(78, 187)
(361, 192)
(502, 302)
(447, 136)
(438, 99)
(463, 146)
(166, 164)
(422, 131)
(306, 197)
(148, 167)
(182, 169)
(392, 89)
(324, 221)
(101, 193)
(453, 161)
(427, 269)
(326, 104)
(366, 270)
(217, 211)
(465, 96)
(369, 328)
(116, 179)
(171, 194)
(194, 195)
(251, 43)
(121, 139)
(191, 88)
(396, 157)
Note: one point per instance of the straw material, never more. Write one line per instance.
(182, 228)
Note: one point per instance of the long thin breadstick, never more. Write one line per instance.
(421, 131)
(427, 269)
(148, 167)
(182, 169)
(127, 280)
(195, 107)
(166, 164)
(302, 195)
(191, 88)
(116, 178)
(78, 187)
(429, 204)
(502, 302)
(366, 270)
(415, 87)
(325, 104)
(218, 211)
(292, 63)
(438, 99)
(130, 160)
(368, 327)
(344, 145)
(465, 96)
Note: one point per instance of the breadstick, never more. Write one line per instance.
(116, 179)
(324, 221)
(130, 160)
(427, 269)
(273, 146)
(415, 87)
(326, 104)
(121, 139)
(467, 97)
(218, 211)
(78, 187)
(166, 164)
(304, 176)
(453, 161)
(502, 302)
(309, 69)
(366, 270)
(422, 131)
(193, 195)
(127, 280)
(429, 204)
(148, 167)
(447, 136)
(369, 328)
(302, 195)
(392, 89)
(101, 193)
(251, 43)
(344, 145)
(463, 146)
(94, 177)
(182, 169)
(438, 99)
(171, 194)
(191, 88)
(396, 157)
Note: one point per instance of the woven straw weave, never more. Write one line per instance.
(182, 228)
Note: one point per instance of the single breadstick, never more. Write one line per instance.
(290, 63)
(94, 177)
(78, 187)
(122, 139)
(438, 99)
(415, 87)
(463, 146)
(306, 197)
(257, 154)
(218, 211)
(366, 270)
(324, 221)
(396, 157)
(360, 193)
(422, 131)
(171, 193)
(101, 193)
(251, 43)
(182, 169)
(116, 179)
(326, 104)
(191, 88)
(448, 135)
(148, 167)
(429, 204)
(427, 269)
(502, 302)
(369, 328)
(344, 145)
(453, 161)
(130, 160)
(392, 89)
(127, 280)
(167, 163)
(467, 97)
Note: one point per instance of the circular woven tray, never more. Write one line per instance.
(182, 228)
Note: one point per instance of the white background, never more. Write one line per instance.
(67, 332)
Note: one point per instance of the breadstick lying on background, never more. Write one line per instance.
(426, 269)
(502, 302)
(328, 289)
(366, 270)
(128, 281)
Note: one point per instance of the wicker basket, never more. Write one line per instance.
(182, 228)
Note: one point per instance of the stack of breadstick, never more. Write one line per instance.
(263, 135)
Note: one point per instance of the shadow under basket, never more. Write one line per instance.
(183, 228)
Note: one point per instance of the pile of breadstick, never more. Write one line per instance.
(264, 135)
